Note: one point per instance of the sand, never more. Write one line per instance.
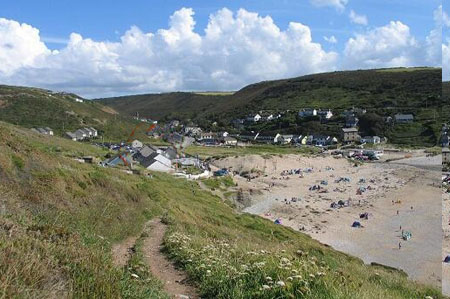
(377, 241)
(446, 243)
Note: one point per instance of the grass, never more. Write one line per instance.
(61, 217)
(219, 182)
(210, 152)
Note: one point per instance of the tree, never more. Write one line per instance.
(372, 124)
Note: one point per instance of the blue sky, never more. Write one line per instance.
(106, 23)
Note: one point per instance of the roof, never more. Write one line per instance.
(71, 135)
(147, 151)
(349, 130)
(404, 116)
(445, 150)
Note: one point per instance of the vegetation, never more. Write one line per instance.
(382, 92)
(33, 107)
(60, 217)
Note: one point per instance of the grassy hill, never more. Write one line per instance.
(446, 102)
(33, 107)
(381, 91)
(59, 219)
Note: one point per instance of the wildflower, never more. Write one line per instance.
(294, 271)
(134, 275)
(320, 274)
(297, 276)
(281, 283)
(284, 260)
(290, 278)
(266, 287)
(268, 278)
(312, 276)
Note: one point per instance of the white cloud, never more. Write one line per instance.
(358, 19)
(338, 4)
(433, 42)
(388, 46)
(20, 46)
(236, 49)
(332, 39)
(445, 19)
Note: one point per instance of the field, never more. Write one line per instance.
(60, 219)
(215, 152)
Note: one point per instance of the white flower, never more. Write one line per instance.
(281, 283)
(266, 287)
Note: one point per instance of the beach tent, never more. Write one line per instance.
(364, 215)
(406, 235)
(447, 259)
(356, 224)
(278, 221)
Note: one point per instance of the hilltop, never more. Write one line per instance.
(34, 107)
(60, 219)
(381, 91)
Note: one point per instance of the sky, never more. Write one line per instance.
(99, 48)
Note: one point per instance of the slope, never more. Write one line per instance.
(60, 218)
(33, 107)
(384, 92)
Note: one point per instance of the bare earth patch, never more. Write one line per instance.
(109, 110)
(122, 252)
(174, 280)
(3, 104)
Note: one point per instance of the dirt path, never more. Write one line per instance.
(121, 252)
(174, 280)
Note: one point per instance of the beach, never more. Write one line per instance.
(323, 195)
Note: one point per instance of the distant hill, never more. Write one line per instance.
(381, 91)
(33, 107)
(446, 102)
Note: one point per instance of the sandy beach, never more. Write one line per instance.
(403, 195)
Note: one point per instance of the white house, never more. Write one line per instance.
(78, 100)
(254, 118)
(307, 112)
(157, 162)
(230, 141)
(136, 144)
(371, 139)
(326, 114)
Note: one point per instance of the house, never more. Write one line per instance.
(351, 121)
(208, 135)
(325, 114)
(193, 131)
(174, 138)
(174, 123)
(170, 153)
(94, 132)
(78, 100)
(136, 144)
(157, 162)
(350, 135)
(254, 118)
(307, 112)
(403, 118)
(230, 141)
(445, 155)
(321, 140)
(121, 159)
(71, 136)
(238, 123)
(444, 140)
(209, 141)
(44, 131)
(186, 162)
(371, 139)
(145, 152)
(81, 134)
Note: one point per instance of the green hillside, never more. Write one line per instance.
(33, 107)
(59, 219)
(384, 92)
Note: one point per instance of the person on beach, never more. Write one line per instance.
(397, 212)
(399, 245)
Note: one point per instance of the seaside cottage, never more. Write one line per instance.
(350, 135)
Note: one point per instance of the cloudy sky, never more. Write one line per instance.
(137, 46)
